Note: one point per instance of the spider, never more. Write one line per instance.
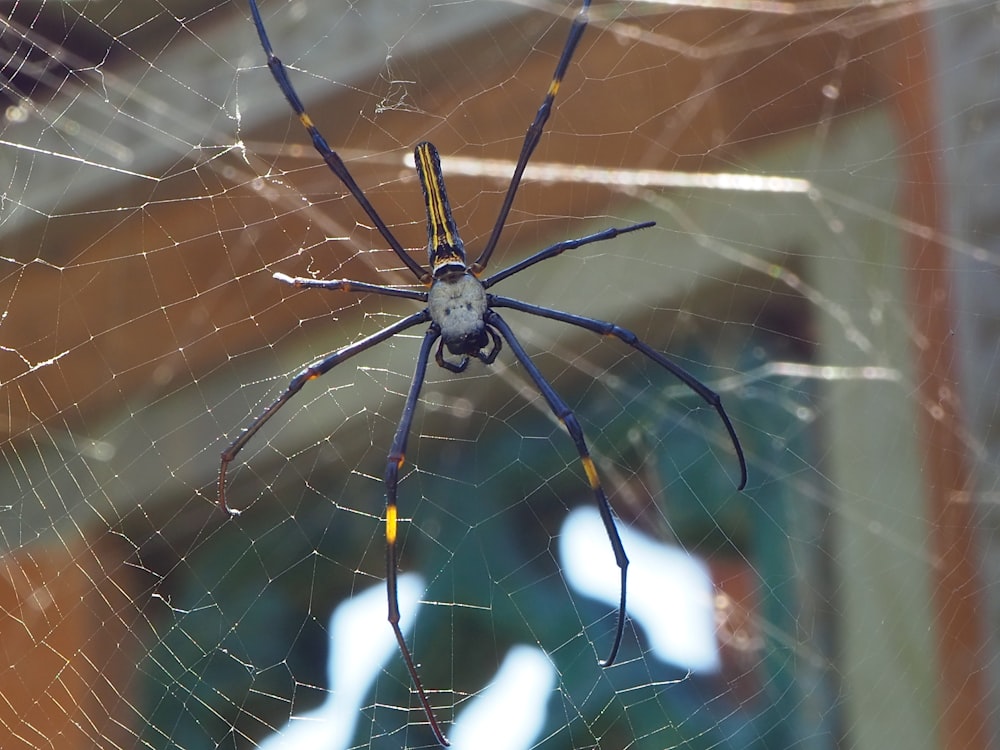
(464, 320)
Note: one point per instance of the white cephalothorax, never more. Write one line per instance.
(457, 305)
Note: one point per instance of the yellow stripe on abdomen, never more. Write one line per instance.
(446, 253)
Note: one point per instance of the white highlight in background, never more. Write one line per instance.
(554, 172)
(670, 593)
(670, 596)
(510, 713)
(361, 642)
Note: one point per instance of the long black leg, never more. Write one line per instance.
(346, 285)
(604, 328)
(333, 161)
(392, 466)
(534, 134)
(311, 372)
(566, 416)
(560, 247)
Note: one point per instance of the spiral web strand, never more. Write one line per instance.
(821, 258)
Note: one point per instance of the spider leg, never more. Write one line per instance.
(534, 134)
(604, 328)
(560, 247)
(455, 367)
(333, 161)
(566, 416)
(393, 464)
(346, 285)
(490, 356)
(311, 372)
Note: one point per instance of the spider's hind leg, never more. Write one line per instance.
(394, 462)
(605, 328)
(569, 421)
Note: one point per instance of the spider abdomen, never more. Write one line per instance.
(458, 305)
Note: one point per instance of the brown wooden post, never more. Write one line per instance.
(69, 647)
(956, 594)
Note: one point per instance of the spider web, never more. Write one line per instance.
(824, 257)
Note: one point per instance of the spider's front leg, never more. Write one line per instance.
(347, 285)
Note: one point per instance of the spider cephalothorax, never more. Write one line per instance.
(457, 306)
(462, 316)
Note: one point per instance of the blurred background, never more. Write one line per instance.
(825, 257)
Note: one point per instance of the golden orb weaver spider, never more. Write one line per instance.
(463, 318)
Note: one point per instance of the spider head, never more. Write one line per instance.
(484, 345)
(468, 343)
